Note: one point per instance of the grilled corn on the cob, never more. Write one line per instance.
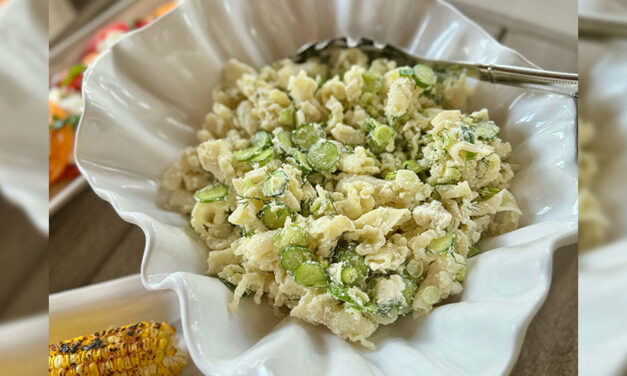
(141, 349)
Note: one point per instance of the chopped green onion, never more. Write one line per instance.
(263, 156)
(216, 192)
(324, 156)
(301, 160)
(414, 269)
(287, 116)
(274, 215)
(424, 76)
(430, 295)
(451, 174)
(447, 141)
(441, 245)
(293, 256)
(486, 130)
(290, 235)
(372, 81)
(460, 276)
(369, 124)
(473, 251)
(406, 72)
(355, 261)
(412, 165)
(284, 141)
(311, 274)
(352, 297)
(467, 134)
(245, 154)
(307, 134)
(261, 140)
(380, 137)
(275, 184)
(408, 293)
(390, 175)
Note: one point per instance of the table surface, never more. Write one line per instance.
(89, 243)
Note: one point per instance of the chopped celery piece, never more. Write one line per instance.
(349, 275)
(273, 215)
(290, 235)
(406, 72)
(441, 245)
(473, 251)
(424, 76)
(287, 116)
(293, 256)
(307, 134)
(216, 192)
(263, 156)
(470, 155)
(430, 295)
(311, 274)
(275, 184)
(486, 130)
(323, 156)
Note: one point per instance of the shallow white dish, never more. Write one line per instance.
(146, 97)
(111, 304)
(23, 90)
(603, 271)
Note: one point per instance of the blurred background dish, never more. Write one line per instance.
(69, 57)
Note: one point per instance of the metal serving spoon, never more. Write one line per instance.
(553, 82)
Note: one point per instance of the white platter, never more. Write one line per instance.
(135, 126)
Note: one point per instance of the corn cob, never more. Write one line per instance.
(142, 349)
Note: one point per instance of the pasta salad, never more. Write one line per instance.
(348, 191)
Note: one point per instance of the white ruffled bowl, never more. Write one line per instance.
(147, 96)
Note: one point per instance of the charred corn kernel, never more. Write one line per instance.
(144, 348)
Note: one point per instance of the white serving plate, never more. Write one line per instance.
(603, 271)
(23, 90)
(135, 126)
(112, 304)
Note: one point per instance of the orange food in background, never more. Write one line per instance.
(61, 143)
(163, 9)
